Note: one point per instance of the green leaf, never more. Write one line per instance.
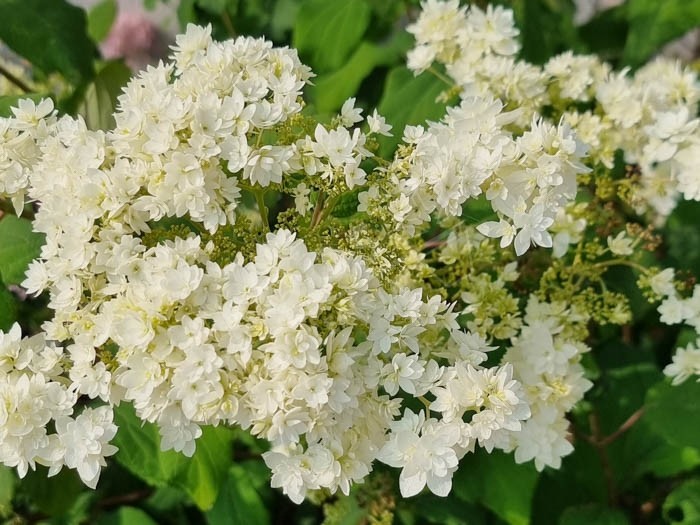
(213, 6)
(653, 23)
(496, 481)
(199, 476)
(54, 496)
(51, 35)
(409, 99)
(327, 31)
(7, 102)
(534, 15)
(139, 449)
(239, 502)
(674, 412)
(332, 89)
(19, 246)
(101, 96)
(588, 514)
(100, 19)
(682, 506)
(8, 308)
(606, 33)
(204, 473)
(127, 516)
(8, 481)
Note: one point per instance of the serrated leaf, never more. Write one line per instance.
(593, 513)
(327, 31)
(101, 95)
(100, 19)
(19, 246)
(674, 412)
(408, 99)
(51, 35)
(653, 23)
(239, 503)
(682, 506)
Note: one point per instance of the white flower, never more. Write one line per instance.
(425, 451)
(621, 244)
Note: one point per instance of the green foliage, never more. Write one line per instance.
(674, 412)
(682, 506)
(127, 516)
(100, 99)
(200, 476)
(100, 19)
(20, 245)
(51, 35)
(587, 514)
(327, 31)
(653, 23)
(500, 484)
(8, 308)
(240, 500)
(409, 100)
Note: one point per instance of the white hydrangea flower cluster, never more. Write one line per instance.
(650, 115)
(527, 179)
(35, 395)
(676, 310)
(547, 361)
(306, 349)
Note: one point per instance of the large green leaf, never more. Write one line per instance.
(682, 506)
(409, 99)
(327, 31)
(674, 412)
(652, 23)
(19, 245)
(589, 514)
(239, 502)
(332, 89)
(51, 35)
(496, 481)
(204, 473)
(200, 476)
(101, 95)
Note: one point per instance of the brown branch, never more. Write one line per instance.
(120, 499)
(636, 416)
(15, 80)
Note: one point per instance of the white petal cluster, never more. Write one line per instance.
(34, 398)
(649, 115)
(548, 363)
(527, 179)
